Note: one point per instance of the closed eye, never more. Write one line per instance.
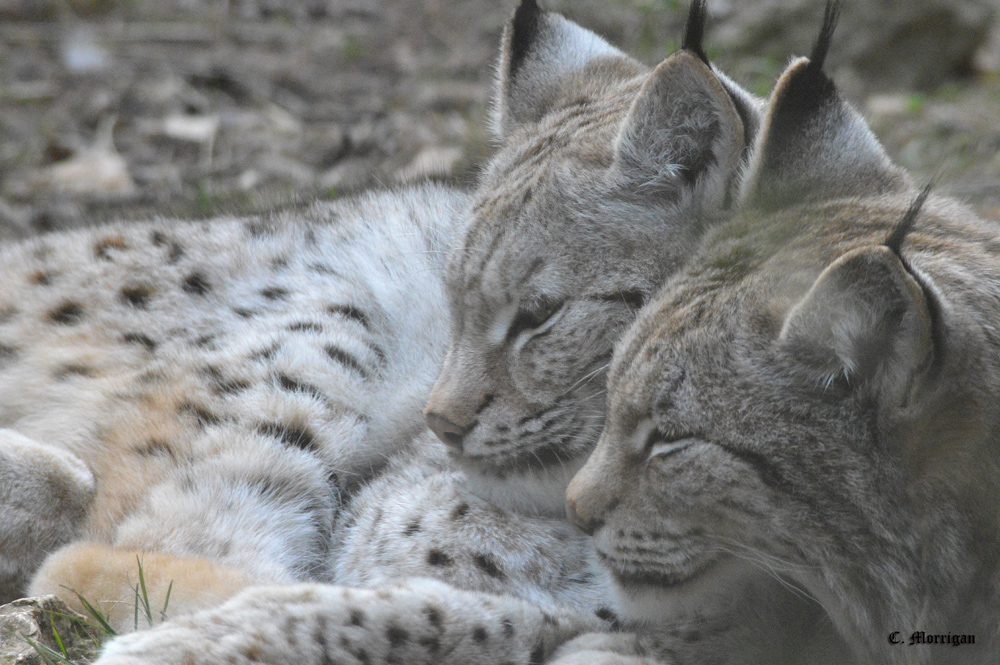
(659, 444)
(533, 316)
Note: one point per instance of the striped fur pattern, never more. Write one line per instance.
(816, 393)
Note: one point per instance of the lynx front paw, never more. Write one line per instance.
(44, 493)
(418, 622)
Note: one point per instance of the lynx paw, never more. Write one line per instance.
(419, 621)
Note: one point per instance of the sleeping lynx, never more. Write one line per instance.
(818, 390)
(607, 176)
(216, 396)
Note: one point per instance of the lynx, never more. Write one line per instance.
(607, 176)
(817, 390)
(216, 400)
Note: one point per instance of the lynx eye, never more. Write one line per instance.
(659, 444)
(533, 316)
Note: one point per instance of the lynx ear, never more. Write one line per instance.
(539, 52)
(683, 133)
(865, 319)
(813, 145)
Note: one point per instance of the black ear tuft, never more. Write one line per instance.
(694, 30)
(822, 46)
(895, 239)
(525, 25)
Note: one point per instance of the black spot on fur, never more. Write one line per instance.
(460, 511)
(323, 269)
(396, 635)
(292, 385)
(175, 254)
(200, 413)
(244, 313)
(434, 618)
(438, 558)
(604, 614)
(7, 314)
(205, 340)
(279, 263)
(8, 354)
(275, 293)
(508, 628)
(357, 618)
(221, 384)
(305, 326)
(103, 247)
(140, 338)
(67, 314)
(488, 564)
(265, 354)
(157, 238)
(344, 358)
(156, 448)
(480, 635)
(136, 296)
(196, 284)
(412, 528)
(432, 644)
(66, 371)
(350, 312)
(41, 278)
(296, 437)
(548, 619)
(362, 657)
(537, 656)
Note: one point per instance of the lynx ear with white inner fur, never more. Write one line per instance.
(682, 133)
(813, 145)
(865, 319)
(539, 51)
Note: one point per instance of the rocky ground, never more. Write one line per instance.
(133, 108)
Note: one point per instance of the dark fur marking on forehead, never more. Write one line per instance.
(822, 46)
(524, 29)
(694, 30)
(895, 239)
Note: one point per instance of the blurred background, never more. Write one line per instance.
(136, 108)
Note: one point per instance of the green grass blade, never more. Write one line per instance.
(59, 642)
(48, 654)
(166, 603)
(145, 596)
(101, 620)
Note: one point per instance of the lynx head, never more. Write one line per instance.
(816, 393)
(605, 176)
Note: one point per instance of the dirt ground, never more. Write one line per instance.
(132, 108)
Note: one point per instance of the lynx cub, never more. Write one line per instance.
(818, 389)
(214, 397)
(607, 177)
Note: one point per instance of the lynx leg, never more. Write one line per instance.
(44, 492)
(108, 578)
(418, 622)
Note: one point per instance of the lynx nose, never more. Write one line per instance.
(447, 431)
(583, 522)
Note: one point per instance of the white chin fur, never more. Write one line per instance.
(539, 492)
(715, 588)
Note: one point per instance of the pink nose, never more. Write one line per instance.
(447, 431)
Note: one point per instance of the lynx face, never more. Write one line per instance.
(607, 175)
(816, 393)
